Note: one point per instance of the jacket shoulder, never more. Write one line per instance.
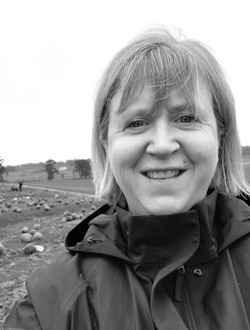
(54, 290)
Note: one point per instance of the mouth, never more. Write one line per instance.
(161, 175)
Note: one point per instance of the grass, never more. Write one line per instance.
(65, 180)
(36, 174)
(84, 186)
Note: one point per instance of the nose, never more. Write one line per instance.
(163, 139)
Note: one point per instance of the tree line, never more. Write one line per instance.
(80, 166)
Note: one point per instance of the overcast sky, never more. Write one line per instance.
(53, 52)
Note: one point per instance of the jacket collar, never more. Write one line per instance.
(156, 240)
(232, 218)
(159, 239)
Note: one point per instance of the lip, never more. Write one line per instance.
(163, 169)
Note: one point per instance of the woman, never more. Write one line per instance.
(170, 249)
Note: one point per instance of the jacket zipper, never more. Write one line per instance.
(178, 284)
(182, 296)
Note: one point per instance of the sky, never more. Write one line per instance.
(53, 53)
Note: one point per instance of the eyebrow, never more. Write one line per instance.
(140, 109)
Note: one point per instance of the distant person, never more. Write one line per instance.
(171, 248)
(20, 183)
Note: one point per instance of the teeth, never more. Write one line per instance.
(162, 174)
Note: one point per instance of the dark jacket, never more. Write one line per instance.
(183, 271)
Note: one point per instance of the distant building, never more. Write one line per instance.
(63, 168)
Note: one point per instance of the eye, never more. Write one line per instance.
(186, 119)
(137, 124)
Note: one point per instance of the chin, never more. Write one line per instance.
(166, 207)
(163, 210)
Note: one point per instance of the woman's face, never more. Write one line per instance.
(163, 163)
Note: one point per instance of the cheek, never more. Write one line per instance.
(123, 153)
(203, 153)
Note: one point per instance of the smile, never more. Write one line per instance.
(162, 174)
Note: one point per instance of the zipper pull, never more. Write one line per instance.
(178, 283)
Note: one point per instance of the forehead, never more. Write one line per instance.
(175, 99)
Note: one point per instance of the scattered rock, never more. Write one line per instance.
(38, 235)
(29, 249)
(25, 229)
(37, 226)
(46, 207)
(26, 238)
(66, 213)
(32, 231)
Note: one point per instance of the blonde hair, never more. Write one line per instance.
(165, 62)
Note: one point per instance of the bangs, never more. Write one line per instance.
(165, 71)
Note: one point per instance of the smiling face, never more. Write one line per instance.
(163, 162)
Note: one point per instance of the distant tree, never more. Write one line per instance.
(70, 164)
(83, 168)
(10, 168)
(3, 169)
(50, 168)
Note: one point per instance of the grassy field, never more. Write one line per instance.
(84, 186)
(64, 181)
(37, 174)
